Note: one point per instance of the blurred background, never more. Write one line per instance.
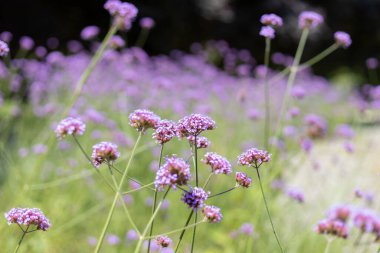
(179, 23)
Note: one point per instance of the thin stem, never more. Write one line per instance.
(140, 188)
(223, 192)
(132, 179)
(196, 183)
(266, 207)
(24, 232)
(266, 95)
(142, 39)
(207, 180)
(139, 243)
(194, 231)
(329, 241)
(155, 199)
(176, 230)
(184, 230)
(110, 213)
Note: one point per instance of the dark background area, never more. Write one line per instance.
(182, 22)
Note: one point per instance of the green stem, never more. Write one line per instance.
(223, 192)
(196, 183)
(22, 238)
(142, 38)
(155, 199)
(184, 230)
(266, 95)
(110, 213)
(208, 180)
(327, 249)
(140, 188)
(266, 207)
(142, 237)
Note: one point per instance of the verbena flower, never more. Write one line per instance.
(89, 32)
(340, 212)
(4, 49)
(165, 131)
(104, 152)
(195, 197)
(70, 126)
(142, 120)
(271, 20)
(117, 42)
(243, 180)
(163, 241)
(343, 39)
(253, 157)
(218, 164)
(309, 19)
(345, 131)
(267, 32)
(202, 142)
(124, 13)
(26, 43)
(332, 227)
(316, 126)
(147, 23)
(296, 194)
(175, 171)
(246, 228)
(193, 125)
(28, 217)
(212, 214)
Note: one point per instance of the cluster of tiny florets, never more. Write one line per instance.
(147, 23)
(4, 49)
(89, 32)
(243, 179)
(332, 227)
(165, 131)
(267, 32)
(195, 198)
(343, 39)
(212, 214)
(70, 126)
(309, 19)
(28, 217)
(316, 126)
(142, 120)
(123, 12)
(163, 241)
(218, 164)
(253, 157)
(202, 142)
(193, 125)
(175, 171)
(271, 20)
(104, 152)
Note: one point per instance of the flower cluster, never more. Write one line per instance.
(70, 126)
(89, 32)
(4, 49)
(343, 39)
(163, 241)
(193, 125)
(332, 227)
(218, 164)
(147, 23)
(165, 131)
(124, 13)
(175, 171)
(344, 131)
(309, 19)
(253, 157)
(212, 214)
(316, 126)
(271, 20)
(243, 180)
(296, 194)
(195, 198)
(267, 32)
(367, 222)
(202, 142)
(340, 212)
(142, 120)
(28, 217)
(104, 152)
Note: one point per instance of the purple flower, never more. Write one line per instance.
(212, 214)
(195, 197)
(113, 239)
(70, 126)
(104, 152)
(175, 171)
(296, 195)
(372, 63)
(193, 125)
(316, 126)
(6, 36)
(163, 241)
(246, 228)
(342, 39)
(349, 146)
(89, 32)
(306, 144)
(332, 227)
(271, 20)
(267, 32)
(117, 42)
(132, 235)
(253, 157)
(243, 180)
(165, 131)
(340, 212)
(344, 131)
(124, 13)
(26, 43)
(218, 164)
(142, 119)
(28, 217)
(202, 142)
(4, 49)
(147, 23)
(309, 19)
(92, 240)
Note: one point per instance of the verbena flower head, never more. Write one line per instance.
(147, 23)
(195, 197)
(104, 152)
(271, 20)
(243, 180)
(163, 241)
(253, 157)
(26, 43)
(70, 126)
(372, 63)
(193, 125)
(117, 42)
(296, 194)
(366, 221)
(28, 217)
(202, 142)
(142, 120)
(218, 164)
(316, 126)
(340, 212)
(165, 131)
(332, 227)
(343, 39)
(267, 32)
(89, 32)
(175, 171)
(4, 49)
(309, 19)
(124, 13)
(345, 131)
(212, 214)
(246, 228)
